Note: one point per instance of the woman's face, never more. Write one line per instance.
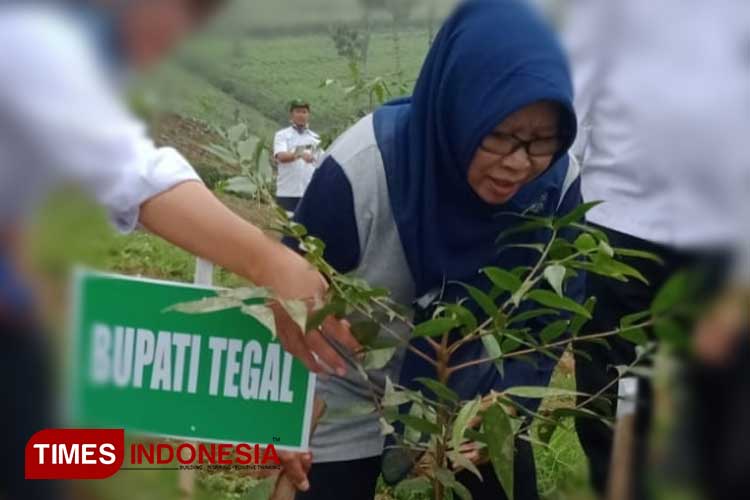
(519, 150)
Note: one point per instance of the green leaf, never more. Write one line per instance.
(413, 489)
(221, 153)
(501, 446)
(459, 460)
(393, 397)
(468, 411)
(246, 293)
(551, 299)
(577, 323)
(419, 424)
(596, 233)
(605, 249)
(500, 320)
(503, 279)
(376, 359)
(638, 254)
(476, 436)
(448, 480)
(670, 331)
(352, 410)
(336, 308)
(560, 413)
(635, 335)
(555, 274)
(435, 327)
(617, 267)
(674, 291)
(510, 344)
(385, 428)
(634, 318)
(561, 249)
(263, 314)
(463, 316)
(415, 411)
(553, 331)
(236, 132)
(492, 346)
(440, 390)
(365, 332)
(534, 313)
(297, 229)
(482, 299)
(205, 306)
(585, 242)
(575, 215)
(540, 392)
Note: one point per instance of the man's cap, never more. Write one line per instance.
(299, 103)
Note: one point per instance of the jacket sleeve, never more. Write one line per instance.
(62, 119)
(327, 211)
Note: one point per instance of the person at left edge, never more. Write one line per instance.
(62, 119)
(296, 150)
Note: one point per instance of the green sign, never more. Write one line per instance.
(198, 377)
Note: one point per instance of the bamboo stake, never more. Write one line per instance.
(621, 478)
(285, 489)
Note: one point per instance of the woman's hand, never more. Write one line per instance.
(295, 467)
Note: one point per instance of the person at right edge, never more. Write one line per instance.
(663, 101)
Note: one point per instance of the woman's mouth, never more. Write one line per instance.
(503, 187)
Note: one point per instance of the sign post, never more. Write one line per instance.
(216, 377)
(204, 275)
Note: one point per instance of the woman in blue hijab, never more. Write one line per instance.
(414, 196)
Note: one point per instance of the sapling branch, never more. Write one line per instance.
(561, 343)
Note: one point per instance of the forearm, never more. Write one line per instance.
(286, 157)
(191, 217)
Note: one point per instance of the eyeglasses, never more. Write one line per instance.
(506, 144)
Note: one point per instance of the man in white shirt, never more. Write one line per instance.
(296, 150)
(663, 100)
(62, 119)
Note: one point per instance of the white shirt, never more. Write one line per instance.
(663, 100)
(62, 120)
(293, 177)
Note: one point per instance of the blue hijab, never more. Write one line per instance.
(491, 58)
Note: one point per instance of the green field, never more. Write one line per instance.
(216, 76)
(250, 17)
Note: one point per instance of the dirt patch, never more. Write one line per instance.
(259, 214)
(189, 136)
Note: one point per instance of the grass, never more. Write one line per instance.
(72, 230)
(173, 89)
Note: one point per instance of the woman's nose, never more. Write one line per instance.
(517, 160)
